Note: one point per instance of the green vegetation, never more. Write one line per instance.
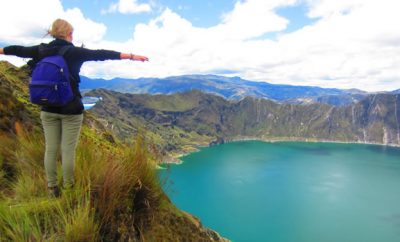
(115, 187)
(117, 195)
(202, 118)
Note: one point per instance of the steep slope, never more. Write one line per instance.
(396, 91)
(345, 99)
(14, 106)
(117, 195)
(373, 120)
(377, 118)
(127, 114)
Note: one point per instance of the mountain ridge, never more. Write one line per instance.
(375, 119)
(233, 88)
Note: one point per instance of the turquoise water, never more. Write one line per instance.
(90, 102)
(292, 192)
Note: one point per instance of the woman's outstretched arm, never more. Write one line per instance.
(131, 56)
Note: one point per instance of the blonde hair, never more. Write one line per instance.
(60, 29)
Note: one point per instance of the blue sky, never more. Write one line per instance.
(202, 14)
(327, 43)
(120, 27)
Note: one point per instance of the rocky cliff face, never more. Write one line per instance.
(373, 120)
(376, 119)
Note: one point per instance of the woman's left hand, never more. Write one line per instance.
(139, 58)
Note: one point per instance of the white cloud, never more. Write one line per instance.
(250, 19)
(345, 48)
(85, 30)
(351, 44)
(29, 24)
(327, 8)
(128, 7)
(23, 22)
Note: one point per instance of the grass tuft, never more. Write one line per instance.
(115, 187)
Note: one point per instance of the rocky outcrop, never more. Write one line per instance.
(179, 226)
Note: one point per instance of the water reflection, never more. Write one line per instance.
(387, 150)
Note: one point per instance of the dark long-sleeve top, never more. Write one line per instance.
(75, 57)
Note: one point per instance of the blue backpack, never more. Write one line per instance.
(50, 83)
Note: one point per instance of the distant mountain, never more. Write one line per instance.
(335, 100)
(396, 91)
(232, 88)
(181, 120)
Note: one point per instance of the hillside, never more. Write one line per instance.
(117, 195)
(338, 100)
(232, 88)
(396, 91)
(123, 138)
(205, 117)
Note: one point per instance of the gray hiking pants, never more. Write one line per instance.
(60, 130)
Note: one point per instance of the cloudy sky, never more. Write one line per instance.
(327, 43)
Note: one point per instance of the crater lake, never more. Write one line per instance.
(291, 191)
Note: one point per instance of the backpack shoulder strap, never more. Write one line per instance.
(64, 50)
(43, 51)
(73, 82)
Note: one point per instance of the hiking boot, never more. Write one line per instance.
(54, 192)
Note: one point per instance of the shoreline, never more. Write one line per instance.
(175, 159)
(309, 141)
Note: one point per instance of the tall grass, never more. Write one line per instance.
(19, 225)
(30, 179)
(7, 161)
(116, 186)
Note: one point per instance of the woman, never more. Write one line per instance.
(62, 124)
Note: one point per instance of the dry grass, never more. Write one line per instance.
(114, 188)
